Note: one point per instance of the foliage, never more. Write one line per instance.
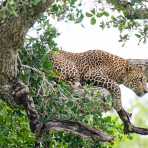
(106, 17)
(57, 100)
(10, 7)
(106, 14)
(14, 128)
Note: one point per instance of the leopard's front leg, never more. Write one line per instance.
(97, 78)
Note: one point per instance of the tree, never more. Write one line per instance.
(16, 18)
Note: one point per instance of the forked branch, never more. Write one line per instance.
(128, 126)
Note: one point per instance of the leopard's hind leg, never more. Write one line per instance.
(68, 72)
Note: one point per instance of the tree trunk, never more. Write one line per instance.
(8, 66)
(12, 34)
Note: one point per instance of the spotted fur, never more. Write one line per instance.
(101, 69)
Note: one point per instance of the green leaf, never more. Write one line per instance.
(98, 14)
(105, 13)
(93, 21)
(35, 2)
(88, 14)
(93, 11)
(138, 35)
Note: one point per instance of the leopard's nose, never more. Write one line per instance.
(140, 94)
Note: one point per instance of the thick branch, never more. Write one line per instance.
(33, 12)
(14, 28)
(139, 14)
(77, 128)
(128, 9)
(41, 7)
(139, 61)
(138, 130)
(131, 13)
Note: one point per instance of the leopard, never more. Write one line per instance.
(101, 69)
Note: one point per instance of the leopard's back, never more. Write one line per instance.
(110, 64)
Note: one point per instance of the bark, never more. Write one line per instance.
(11, 40)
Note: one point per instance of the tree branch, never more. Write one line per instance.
(33, 13)
(139, 14)
(139, 61)
(77, 128)
(21, 97)
(17, 26)
(128, 126)
(41, 7)
(128, 9)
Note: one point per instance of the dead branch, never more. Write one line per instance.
(128, 126)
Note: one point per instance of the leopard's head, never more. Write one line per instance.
(135, 79)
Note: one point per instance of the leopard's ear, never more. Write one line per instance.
(130, 67)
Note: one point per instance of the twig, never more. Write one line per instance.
(33, 69)
(41, 73)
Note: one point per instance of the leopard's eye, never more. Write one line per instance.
(141, 79)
